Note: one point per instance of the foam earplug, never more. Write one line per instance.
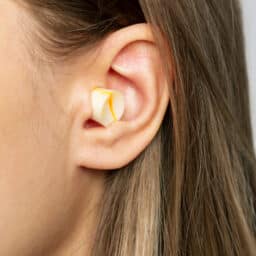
(107, 105)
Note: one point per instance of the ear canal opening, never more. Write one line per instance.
(90, 123)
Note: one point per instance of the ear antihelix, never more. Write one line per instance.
(107, 105)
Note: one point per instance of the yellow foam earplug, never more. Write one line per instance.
(107, 105)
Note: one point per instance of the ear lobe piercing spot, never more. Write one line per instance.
(107, 105)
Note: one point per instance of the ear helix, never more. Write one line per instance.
(107, 105)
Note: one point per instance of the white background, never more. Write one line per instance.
(249, 15)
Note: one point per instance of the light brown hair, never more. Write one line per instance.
(192, 190)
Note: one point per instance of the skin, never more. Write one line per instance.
(52, 166)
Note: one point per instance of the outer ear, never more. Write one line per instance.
(128, 61)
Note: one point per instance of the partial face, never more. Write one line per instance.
(47, 201)
(40, 197)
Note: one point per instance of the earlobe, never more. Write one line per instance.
(135, 71)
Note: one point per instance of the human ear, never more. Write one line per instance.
(128, 61)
